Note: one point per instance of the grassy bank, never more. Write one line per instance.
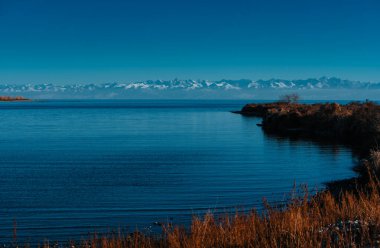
(348, 218)
(351, 220)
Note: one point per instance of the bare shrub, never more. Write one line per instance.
(290, 98)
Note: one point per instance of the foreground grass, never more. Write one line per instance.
(350, 219)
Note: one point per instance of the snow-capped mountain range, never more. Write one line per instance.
(177, 87)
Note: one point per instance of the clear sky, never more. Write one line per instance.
(113, 40)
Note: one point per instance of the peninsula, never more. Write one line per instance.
(355, 123)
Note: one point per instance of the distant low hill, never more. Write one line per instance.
(313, 88)
(12, 99)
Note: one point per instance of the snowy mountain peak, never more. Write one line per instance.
(176, 86)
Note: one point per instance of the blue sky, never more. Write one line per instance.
(112, 40)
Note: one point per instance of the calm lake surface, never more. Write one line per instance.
(69, 168)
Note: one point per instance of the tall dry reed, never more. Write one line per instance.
(351, 219)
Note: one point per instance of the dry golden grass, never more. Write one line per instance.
(351, 219)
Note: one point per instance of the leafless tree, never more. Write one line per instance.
(290, 98)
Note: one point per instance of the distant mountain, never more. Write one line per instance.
(180, 88)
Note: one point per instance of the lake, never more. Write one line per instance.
(69, 168)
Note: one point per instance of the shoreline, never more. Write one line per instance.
(355, 125)
(14, 99)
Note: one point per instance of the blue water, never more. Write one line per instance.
(69, 168)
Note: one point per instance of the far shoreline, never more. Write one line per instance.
(13, 99)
